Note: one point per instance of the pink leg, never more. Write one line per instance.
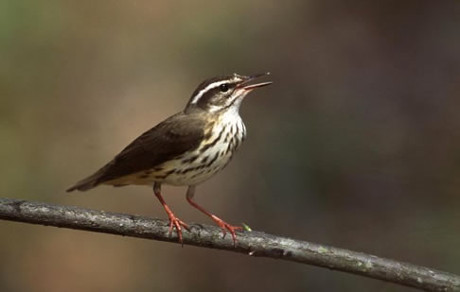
(173, 220)
(221, 223)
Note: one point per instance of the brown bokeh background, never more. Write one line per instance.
(356, 144)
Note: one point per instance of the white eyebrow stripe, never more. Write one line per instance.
(210, 86)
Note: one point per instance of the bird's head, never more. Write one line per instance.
(223, 93)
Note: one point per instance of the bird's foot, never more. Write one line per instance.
(227, 227)
(176, 223)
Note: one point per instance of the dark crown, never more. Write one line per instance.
(223, 92)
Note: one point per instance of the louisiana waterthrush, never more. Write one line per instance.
(186, 148)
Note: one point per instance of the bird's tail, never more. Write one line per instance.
(88, 183)
(84, 185)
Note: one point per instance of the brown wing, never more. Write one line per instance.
(171, 138)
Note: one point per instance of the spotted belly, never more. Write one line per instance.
(192, 173)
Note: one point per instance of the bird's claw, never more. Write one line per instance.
(227, 227)
(175, 222)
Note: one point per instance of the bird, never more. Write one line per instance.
(185, 149)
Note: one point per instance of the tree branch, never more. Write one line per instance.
(251, 243)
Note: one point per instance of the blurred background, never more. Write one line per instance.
(356, 144)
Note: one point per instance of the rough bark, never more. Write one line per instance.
(252, 243)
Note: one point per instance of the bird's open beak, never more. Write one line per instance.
(247, 86)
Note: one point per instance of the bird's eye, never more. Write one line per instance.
(223, 87)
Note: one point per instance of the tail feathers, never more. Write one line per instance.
(84, 185)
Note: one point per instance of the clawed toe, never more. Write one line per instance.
(176, 223)
(227, 227)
